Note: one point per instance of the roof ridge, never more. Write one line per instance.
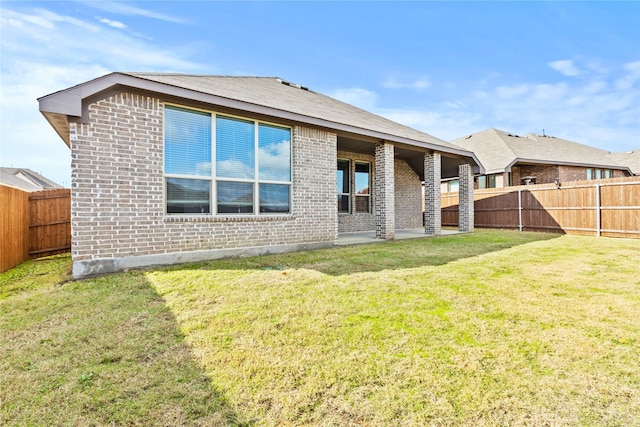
(149, 73)
(500, 133)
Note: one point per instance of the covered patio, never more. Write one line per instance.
(403, 190)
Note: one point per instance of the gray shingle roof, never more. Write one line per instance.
(499, 150)
(278, 94)
(263, 95)
(26, 179)
(629, 158)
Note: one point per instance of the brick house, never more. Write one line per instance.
(536, 159)
(171, 168)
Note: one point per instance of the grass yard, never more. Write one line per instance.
(485, 329)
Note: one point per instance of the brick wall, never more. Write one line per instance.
(408, 196)
(543, 174)
(118, 200)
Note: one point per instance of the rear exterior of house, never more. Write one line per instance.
(177, 168)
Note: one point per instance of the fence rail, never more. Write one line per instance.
(609, 207)
(34, 225)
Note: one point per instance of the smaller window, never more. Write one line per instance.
(274, 198)
(454, 185)
(491, 181)
(343, 174)
(363, 196)
(589, 174)
(482, 181)
(608, 173)
(598, 173)
(188, 196)
(235, 197)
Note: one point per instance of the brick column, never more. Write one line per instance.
(465, 195)
(432, 177)
(384, 192)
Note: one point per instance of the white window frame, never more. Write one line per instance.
(213, 179)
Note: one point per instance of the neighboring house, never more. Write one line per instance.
(171, 168)
(629, 158)
(26, 179)
(535, 159)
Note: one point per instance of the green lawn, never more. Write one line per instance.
(485, 329)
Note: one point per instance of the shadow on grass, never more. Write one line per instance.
(105, 351)
(374, 257)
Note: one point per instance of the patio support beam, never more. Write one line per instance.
(432, 177)
(384, 192)
(465, 199)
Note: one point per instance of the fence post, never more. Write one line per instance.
(598, 218)
(520, 209)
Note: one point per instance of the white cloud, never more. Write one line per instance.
(507, 92)
(359, 97)
(632, 76)
(127, 9)
(549, 92)
(419, 84)
(566, 67)
(601, 109)
(114, 24)
(595, 86)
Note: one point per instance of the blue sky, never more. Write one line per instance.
(446, 68)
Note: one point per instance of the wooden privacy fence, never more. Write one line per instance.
(608, 207)
(34, 225)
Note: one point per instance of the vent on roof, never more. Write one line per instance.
(297, 86)
(544, 135)
(512, 135)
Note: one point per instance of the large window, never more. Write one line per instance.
(344, 189)
(363, 183)
(225, 165)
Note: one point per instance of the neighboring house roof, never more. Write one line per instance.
(261, 95)
(26, 179)
(499, 150)
(629, 158)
